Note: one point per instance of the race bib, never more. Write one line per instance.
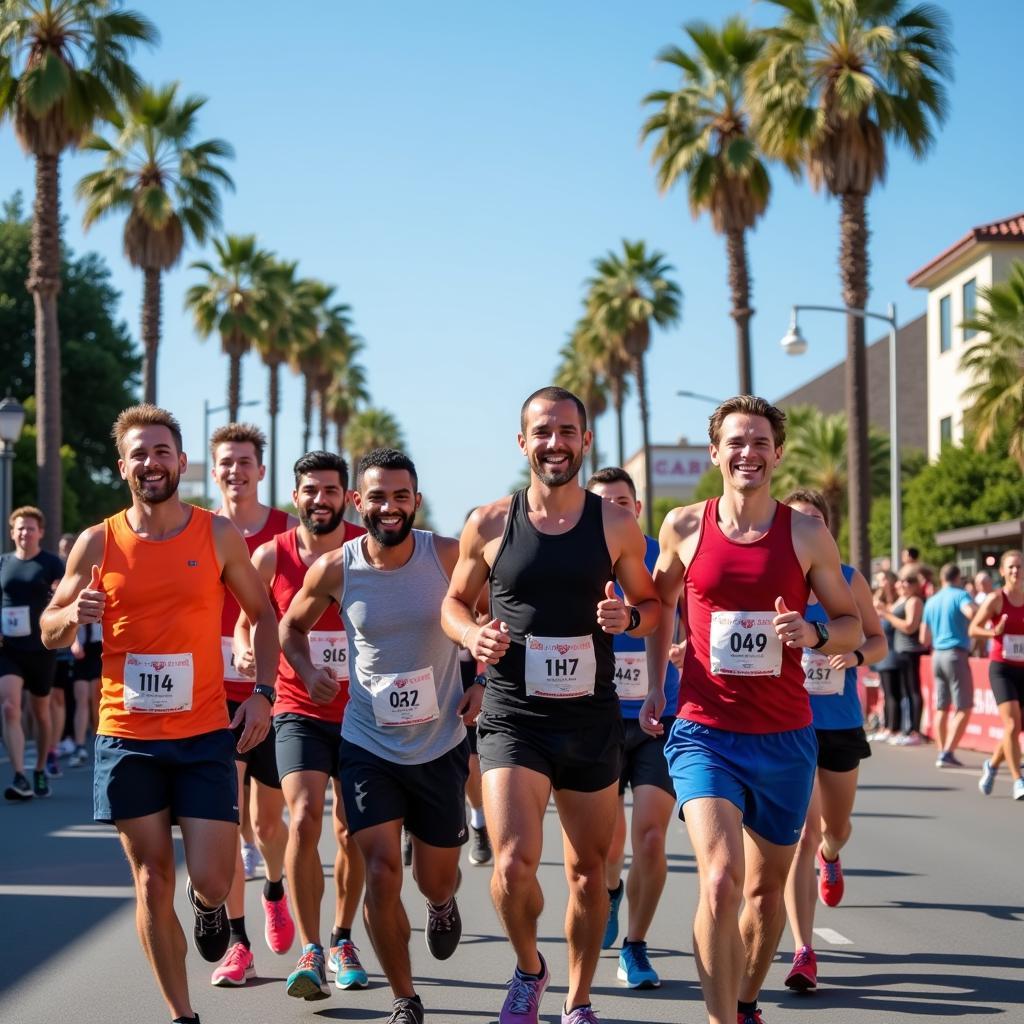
(820, 678)
(157, 683)
(560, 667)
(404, 698)
(16, 620)
(330, 650)
(231, 674)
(631, 675)
(745, 644)
(1013, 647)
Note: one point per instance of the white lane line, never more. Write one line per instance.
(833, 937)
(106, 892)
(74, 833)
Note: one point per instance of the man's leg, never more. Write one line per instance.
(304, 793)
(41, 713)
(652, 811)
(349, 868)
(267, 814)
(514, 802)
(958, 728)
(801, 894)
(58, 715)
(14, 735)
(588, 820)
(81, 719)
(617, 850)
(963, 695)
(210, 857)
(941, 727)
(236, 897)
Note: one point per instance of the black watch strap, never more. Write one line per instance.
(822, 630)
(267, 692)
(859, 657)
(634, 619)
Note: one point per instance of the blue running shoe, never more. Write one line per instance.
(635, 968)
(1018, 789)
(611, 929)
(309, 979)
(988, 778)
(344, 962)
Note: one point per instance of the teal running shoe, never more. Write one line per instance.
(635, 968)
(611, 929)
(309, 979)
(343, 961)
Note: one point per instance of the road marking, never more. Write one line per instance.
(104, 892)
(832, 936)
(74, 833)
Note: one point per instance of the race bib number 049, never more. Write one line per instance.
(404, 698)
(745, 644)
(330, 650)
(157, 683)
(560, 667)
(820, 678)
(631, 675)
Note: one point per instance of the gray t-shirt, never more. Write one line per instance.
(404, 681)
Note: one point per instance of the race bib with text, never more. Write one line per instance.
(560, 667)
(631, 675)
(157, 683)
(330, 650)
(231, 674)
(404, 698)
(745, 644)
(820, 678)
(1013, 647)
(16, 620)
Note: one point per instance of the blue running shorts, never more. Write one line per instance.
(769, 776)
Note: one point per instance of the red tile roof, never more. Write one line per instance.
(1009, 230)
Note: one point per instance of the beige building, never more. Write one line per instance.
(675, 469)
(953, 280)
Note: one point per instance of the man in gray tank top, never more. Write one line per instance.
(404, 754)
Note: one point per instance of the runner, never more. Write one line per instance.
(551, 718)
(1001, 619)
(306, 725)
(86, 677)
(404, 754)
(742, 751)
(480, 852)
(236, 455)
(155, 575)
(842, 745)
(645, 770)
(28, 576)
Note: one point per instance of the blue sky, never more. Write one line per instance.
(455, 167)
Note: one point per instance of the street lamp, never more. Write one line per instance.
(209, 411)
(12, 419)
(795, 344)
(699, 397)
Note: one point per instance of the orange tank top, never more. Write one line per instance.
(162, 666)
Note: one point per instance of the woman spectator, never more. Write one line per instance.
(905, 618)
(888, 668)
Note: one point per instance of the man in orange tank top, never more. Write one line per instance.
(307, 729)
(742, 751)
(236, 455)
(155, 576)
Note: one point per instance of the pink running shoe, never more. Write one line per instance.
(830, 880)
(235, 969)
(280, 928)
(522, 1004)
(803, 976)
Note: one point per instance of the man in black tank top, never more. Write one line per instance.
(550, 716)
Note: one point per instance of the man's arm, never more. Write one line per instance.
(79, 598)
(264, 561)
(631, 572)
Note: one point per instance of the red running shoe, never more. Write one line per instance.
(280, 928)
(804, 974)
(830, 880)
(750, 1018)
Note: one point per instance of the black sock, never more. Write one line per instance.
(612, 893)
(746, 1008)
(633, 942)
(340, 935)
(527, 974)
(237, 931)
(186, 1020)
(409, 999)
(273, 891)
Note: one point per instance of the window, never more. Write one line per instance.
(945, 431)
(945, 325)
(970, 305)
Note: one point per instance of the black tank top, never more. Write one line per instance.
(550, 585)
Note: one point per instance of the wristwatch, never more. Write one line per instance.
(481, 681)
(822, 630)
(634, 619)
(859, 657)
(267, 692)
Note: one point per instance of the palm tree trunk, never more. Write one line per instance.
(594, 453)
(617, 401)
(150, 331)
(273, 407)
(739, 285)
(853, 266)
(307, 412)
(44, 284)
(234, 386)
(324, 420)
(641, 392)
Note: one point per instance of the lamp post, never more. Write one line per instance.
(12, 419)
(699, 397)
(209, 411)
(794, 344)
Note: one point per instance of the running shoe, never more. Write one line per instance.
(79, 758)
(1018, 789)
(581, 1015)
(750, 1018)
(611, 929)
(235, 969)
(211, 931)
(882, 736)
(66, 746)
(803, 975)
(988, 777)
(53, 768)
(830, 880)
(444, 929)
(912, 739)
(19, 789)
(635, 968)
(40, 783)
(309, 979)
(522, 1004)
(406, 1011)
(947, 759)
(343, 961)
(479, 846)
(279, 931)
(406, 847)
(251, 860)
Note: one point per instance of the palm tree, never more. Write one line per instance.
(347, 392)
(340, 348)
(606, 355)
(995, 362)
(63, 65)
(168, 185)
(237, 300)
(577, 372)
(373, 428)
(836, 82)
(628, 292)
(703, 133)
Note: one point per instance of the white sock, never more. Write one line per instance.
(476, 817)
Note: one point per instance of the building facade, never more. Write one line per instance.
(675, 469)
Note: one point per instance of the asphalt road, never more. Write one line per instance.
(930, 927)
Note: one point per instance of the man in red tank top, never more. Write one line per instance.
(156, 576)
(236, 456)
(742, 751)
(307, 729)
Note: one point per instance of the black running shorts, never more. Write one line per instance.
(643, 758)
(305, 744)
(261, 761)
(841, 750)
(37, 669)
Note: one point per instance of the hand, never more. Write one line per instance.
(255, 713)
(469, 706)
(841, 662)
(791, 627)
(77, 651)
(490, 642)
(612, 614)
(677, 655)
(649, 718)
(1000, 627)
(245, 661)
(322, 686)
(89, 604)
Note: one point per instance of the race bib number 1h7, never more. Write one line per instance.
(745, 644)
(157, 683)
(560, 667)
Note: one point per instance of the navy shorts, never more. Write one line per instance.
(643, 758)
(193, 777)
(305, 744)
(769, 776)
(261, 761)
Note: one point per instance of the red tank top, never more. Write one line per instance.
(237, 688)
(730, 593)
(1014, 627)
(292, 695)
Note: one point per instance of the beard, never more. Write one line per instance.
(559, 478)
(317, 528)
(388, 538)
(158, 492)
